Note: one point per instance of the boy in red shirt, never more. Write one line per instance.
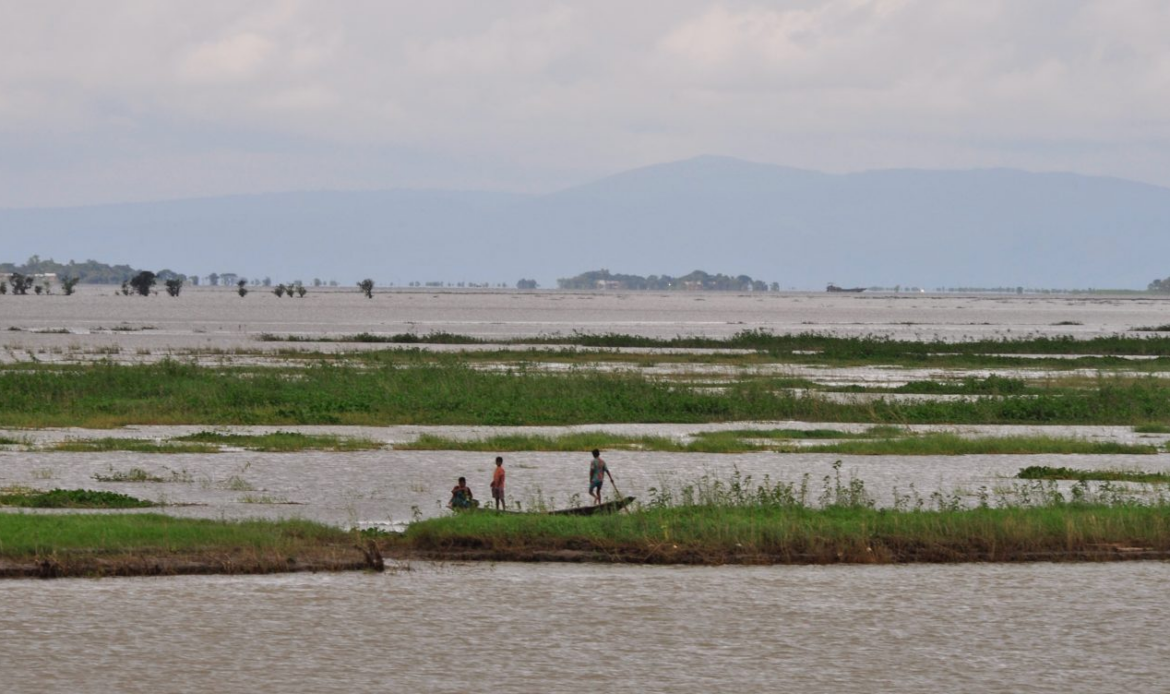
(498, 484)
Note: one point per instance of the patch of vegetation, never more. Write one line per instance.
(952, 444)
(449, 390)
(736, 520)
(1043, 472)
(137, 474)
(1164, 328)
(151, 544)
(70, 498)
(876, 441)
(134, 445)
(282, 441)
(1152, 429)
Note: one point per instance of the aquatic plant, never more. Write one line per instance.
(1043, 472)
(70, 498)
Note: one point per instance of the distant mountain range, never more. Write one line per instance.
(803, 229)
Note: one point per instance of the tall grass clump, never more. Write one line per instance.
(737, 520)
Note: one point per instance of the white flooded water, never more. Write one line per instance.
(562, 628)
(217, 318)
(1059, 628)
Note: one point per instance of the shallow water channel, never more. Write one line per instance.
(387, 488)
(569, 628)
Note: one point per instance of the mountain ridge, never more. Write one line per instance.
(988, 226)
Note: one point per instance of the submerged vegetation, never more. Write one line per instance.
(1041, 472)
(876, 441)
(282, 441)
(127, 444)
(69, 498)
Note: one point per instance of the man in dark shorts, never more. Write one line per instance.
(461, 495)
(598, 471)
(498, 484)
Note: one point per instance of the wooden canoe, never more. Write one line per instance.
(607, 507)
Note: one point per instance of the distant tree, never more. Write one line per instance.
(3, 286)
(143, 282)
(775, 286)
(194, 279)
(301, 291)
(367, 287)
(21, 283)
(332, 283)
(1162, 286)
(316, 281)
(68, 283)
(175, 285)
(267, 282)
(38, 289)
(47, 285)
(213, 279)
(125, 287)
(278, 290)
(527, 284)
(241, 288)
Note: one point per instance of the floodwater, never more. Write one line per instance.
(216, 318)
(569, 628)
(1061, 628)
(387, 488)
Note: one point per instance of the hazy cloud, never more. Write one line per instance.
(134, 99)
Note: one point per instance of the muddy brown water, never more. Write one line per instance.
(571, 628)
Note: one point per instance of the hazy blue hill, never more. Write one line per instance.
(800, 228)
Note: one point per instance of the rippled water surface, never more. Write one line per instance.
(568, 628)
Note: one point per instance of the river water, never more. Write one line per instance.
(571, 628)
(561, 628)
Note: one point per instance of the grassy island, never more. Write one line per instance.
(774, 535)
(37, 545)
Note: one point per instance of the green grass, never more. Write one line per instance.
(876, 441)
(826, 345)
(69, 498)
(952, 444)
(1152, 429)
(1040, 472)
(133, 445)
(712, 535)
(26, 535)
(449, 391)
(283, 441)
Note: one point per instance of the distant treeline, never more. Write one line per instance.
(91, 271)
(697, 280)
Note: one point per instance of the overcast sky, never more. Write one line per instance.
(123, 100)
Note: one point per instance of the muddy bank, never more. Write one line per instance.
(164, 563)
(691, 557)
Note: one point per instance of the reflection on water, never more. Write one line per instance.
(563, 628)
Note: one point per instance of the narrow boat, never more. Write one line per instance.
(607, 507)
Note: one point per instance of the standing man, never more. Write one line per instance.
(598, 471)
(498, 484)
